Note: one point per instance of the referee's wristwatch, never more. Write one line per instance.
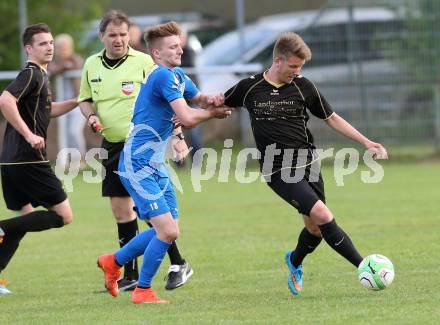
(180, 136)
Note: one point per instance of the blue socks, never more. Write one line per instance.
(153, 257)
(135, 247)
(154, 251)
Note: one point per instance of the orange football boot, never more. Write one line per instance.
(111, 271)
(146, 296)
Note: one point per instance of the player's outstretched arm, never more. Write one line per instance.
(342, 126)
(61, 108)
(9, 109)
(205, 101)
(190, 117)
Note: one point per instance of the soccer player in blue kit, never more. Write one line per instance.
(142, 163)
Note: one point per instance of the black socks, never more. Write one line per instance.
(340, 242)
(15, 229)
(8, 248)
(306, 245)
(174, 254)
(126, 231)
(32, 222)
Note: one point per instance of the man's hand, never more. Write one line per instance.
(180, 149)
(380, 151)
(35, 141)
(216, 100)
(221, 112)
(177, 122)
(94, 123)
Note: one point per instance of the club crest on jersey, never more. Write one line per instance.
(127, 87)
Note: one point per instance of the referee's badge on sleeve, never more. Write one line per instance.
(127, 87)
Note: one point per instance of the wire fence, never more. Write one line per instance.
(381, 73)
(376, 62)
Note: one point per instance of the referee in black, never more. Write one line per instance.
(279, 101)
(27, 178)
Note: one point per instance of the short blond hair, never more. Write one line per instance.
(156, 33)
(291, 43)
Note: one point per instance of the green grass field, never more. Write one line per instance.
(235, 236)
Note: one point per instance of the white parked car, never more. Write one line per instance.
(327, 32)
(352, 62)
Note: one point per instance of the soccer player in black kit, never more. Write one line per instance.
(27, 178)
(278, 101)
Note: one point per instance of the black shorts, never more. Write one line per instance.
(31, 183)
(302, 194)
(111, 184)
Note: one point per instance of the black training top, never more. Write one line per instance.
(279, 115)
(31, 89)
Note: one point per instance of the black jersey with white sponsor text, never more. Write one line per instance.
(32, 92)
(279, 116)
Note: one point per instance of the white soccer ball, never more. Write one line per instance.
(376, 272)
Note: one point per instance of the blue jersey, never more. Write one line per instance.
(152, 117)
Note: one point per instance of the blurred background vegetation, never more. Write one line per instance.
(63, 16)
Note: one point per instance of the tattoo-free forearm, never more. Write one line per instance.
(61, 108)
(87, 108)
(9, 109)
(342, 126)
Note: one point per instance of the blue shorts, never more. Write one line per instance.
(153, 195)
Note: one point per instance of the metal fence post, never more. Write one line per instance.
(437, 116)
(61, 122)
